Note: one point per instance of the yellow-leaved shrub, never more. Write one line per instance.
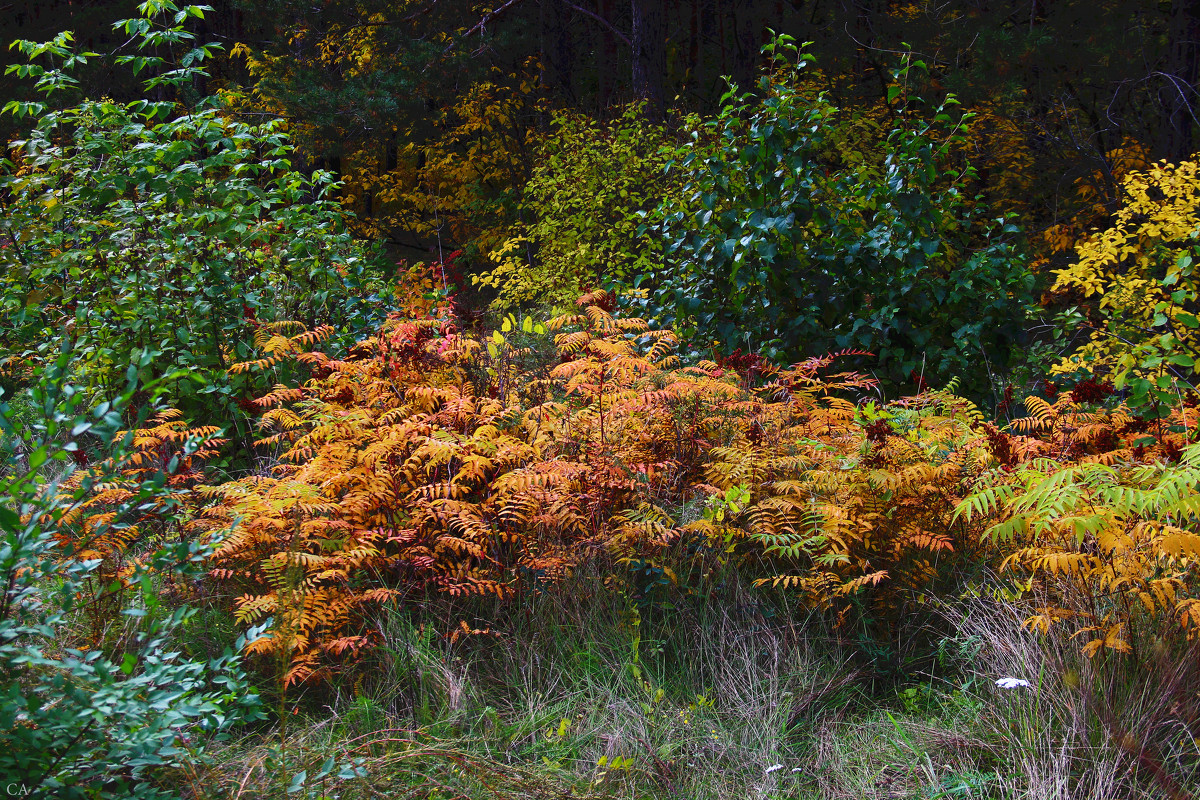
(1142, 272)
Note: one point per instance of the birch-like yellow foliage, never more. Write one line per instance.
(1142, 270)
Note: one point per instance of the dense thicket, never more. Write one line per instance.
(331, 331)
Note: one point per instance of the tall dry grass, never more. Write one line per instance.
(1113, 726)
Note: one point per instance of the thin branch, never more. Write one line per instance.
(483, 23)
(608, 25)
(932, 58)
(49, 772)
(420, 12)
(16, 246)
(391, 23)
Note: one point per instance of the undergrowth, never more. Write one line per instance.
(585, 696)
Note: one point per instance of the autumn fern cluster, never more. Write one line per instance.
(415, 465)
(1096, 509)
(849, 499)
(114, 525)
(432, 460)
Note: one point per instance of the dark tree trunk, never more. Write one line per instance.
(695, 76)
(563, 54)
(749, 27)
(649, 53)
(1178, 94)
(711, 65)
(608, 56)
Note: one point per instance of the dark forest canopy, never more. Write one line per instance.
(1078, 79)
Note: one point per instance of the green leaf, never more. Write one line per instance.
(298, 781)
(38, 457)
(9, 519)
(1182, 360)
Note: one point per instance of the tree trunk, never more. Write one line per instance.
(608, 57)
(1178, 94)
(563, 55)
(748, 30)
(649, 53)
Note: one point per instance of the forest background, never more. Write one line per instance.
(642, 399)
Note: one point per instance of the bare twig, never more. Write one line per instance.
(608, 25)
(483, 23)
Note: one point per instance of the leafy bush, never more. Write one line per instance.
(788, 240)
(456, 179)
(146, 228)
(78, 720)
(584, 202)
(1142, 268)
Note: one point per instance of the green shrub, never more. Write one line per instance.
(80, 722)
(149, 227)
(584, 201)
(811, 242)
